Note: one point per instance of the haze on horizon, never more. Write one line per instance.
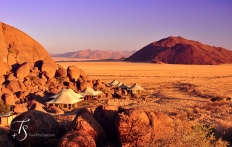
(65, 26)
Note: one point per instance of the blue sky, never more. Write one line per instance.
(68, 25)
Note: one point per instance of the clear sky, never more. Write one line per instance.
(71, 25)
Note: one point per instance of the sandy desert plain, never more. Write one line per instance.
(183, 91)
(172, 87)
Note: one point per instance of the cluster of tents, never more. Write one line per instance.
(134, 89)
(67, 99)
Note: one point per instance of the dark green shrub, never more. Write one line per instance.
(4, 107)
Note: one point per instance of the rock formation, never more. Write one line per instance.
(77, 139)
(84, 121)
(36, 123)
(29, 73)
(177, 50)
(17, 48)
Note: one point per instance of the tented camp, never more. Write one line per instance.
(113, 83)
(89, 93)
(135, 89)
(66, 99)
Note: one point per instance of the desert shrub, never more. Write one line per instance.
(4, 107)
(11, 50)
(60, 79)
(216, 98)
(223, 129)
(184, 135)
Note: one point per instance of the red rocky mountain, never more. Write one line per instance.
(178, 50)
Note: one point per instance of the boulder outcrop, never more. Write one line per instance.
(73, 73)
(85, 122)
(76, 139)
(39, 127)
(106, 116)
(133, 127)
(23, 71)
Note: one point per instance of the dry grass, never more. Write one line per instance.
(182, 91)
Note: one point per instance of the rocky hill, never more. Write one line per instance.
(96, 54)
(178, 50)
(29, 73)
(18, 49)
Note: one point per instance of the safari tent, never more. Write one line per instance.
(66, 99)
(135, 89)
(113, 83)
(123, 86)
(119, 84)
(89, 93)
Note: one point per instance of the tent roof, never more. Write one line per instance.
(113, 83)
(66, 90)
(123, 86)
(135, 87)
(119, 84)
(90, 91)
(66, 96)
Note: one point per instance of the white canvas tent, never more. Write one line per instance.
(119, 84)
(113, 83)
(66, 99)
(135, 89)
(89, 93)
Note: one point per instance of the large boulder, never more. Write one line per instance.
(7, 141)
(133, 127)
(32, 102)
(73, 73)
(10, 76)
(161, 125)
(106, 115)
(20, 109)
(37, 106)
(15, 86)
(23, 71)
(56, 110)
(37, 127)
(63, 129)
(17, 48)
(49, 68)
(85, 122)
(9, 99)
(61, 72)
(76, 139)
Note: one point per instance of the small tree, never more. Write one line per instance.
(4, 107)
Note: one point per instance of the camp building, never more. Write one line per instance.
(135, 89)
(66, 99)
(89, 93)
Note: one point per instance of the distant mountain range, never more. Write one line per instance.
(96, 54)
(178, 50)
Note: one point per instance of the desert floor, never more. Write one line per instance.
(183, 91)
